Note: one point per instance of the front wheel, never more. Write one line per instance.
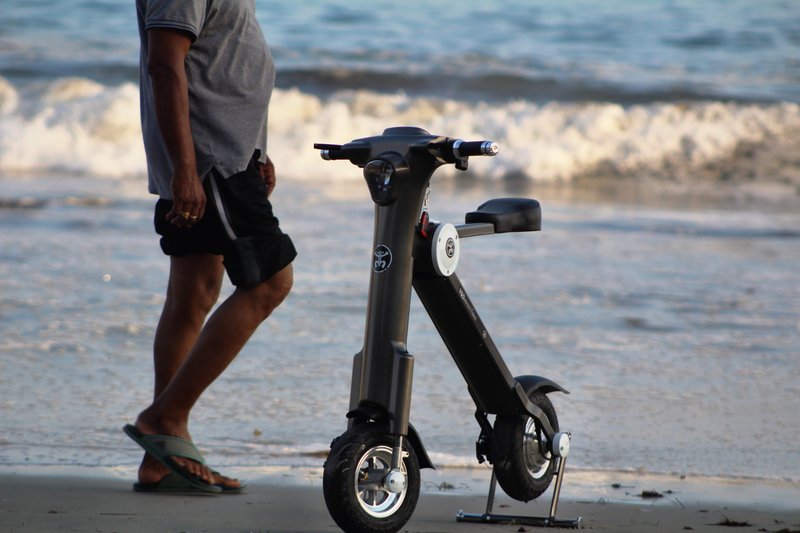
(353, 481)
(522, 460)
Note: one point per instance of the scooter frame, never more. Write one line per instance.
(398, 166)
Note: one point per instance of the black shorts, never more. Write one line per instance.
(238, 224)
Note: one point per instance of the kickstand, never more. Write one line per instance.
(540, 521)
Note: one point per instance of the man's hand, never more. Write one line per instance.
(267, 171)
(189, 199)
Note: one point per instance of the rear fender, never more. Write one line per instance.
(528, 384)
(534, 383)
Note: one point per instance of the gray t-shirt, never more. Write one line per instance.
(231, 76)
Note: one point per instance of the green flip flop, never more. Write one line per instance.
(174, 484)
(164, 448)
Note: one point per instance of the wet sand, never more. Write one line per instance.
(42, 502)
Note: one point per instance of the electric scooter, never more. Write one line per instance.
(371, 479)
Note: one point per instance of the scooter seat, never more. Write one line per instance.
(508, 214)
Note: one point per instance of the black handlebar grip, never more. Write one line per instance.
(330, 155)
(470, 148)
(329, 152)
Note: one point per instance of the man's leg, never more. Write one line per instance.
(193, 289)
(218, 343)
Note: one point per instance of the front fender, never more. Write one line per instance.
(419, 448)
(369, 411)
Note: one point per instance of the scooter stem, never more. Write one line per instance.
(382, 372)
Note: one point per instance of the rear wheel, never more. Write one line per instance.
(353, 481)
(523, 462)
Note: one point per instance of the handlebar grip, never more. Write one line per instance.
(355, 151)
(470, 148)
(329, 155)
(329, 152)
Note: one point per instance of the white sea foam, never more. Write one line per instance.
(8, 98)
(76, 125)
(83, 127)
(559, 141)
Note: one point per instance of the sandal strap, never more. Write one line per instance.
(175, 447)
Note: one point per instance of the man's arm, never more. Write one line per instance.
(166, 66)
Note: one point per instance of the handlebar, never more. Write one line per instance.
(444, 149)
(404, 154)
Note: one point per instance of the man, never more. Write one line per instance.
(206, 77)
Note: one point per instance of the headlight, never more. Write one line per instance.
(381, 174)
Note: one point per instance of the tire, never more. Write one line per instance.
(523, 471)
(356, 507)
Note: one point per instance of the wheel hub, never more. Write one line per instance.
(395, 481)
(376, 482)
(537, 457)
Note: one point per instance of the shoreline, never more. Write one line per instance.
(580, 484)
(290, 499)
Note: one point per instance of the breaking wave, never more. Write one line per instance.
(82, 127)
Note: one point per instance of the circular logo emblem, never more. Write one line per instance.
(382, 258)
(450, 247)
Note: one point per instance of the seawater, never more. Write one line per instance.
(675, 325)
(676, 332)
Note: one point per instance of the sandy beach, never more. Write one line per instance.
(33, 500)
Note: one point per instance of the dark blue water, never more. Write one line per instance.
(622, 50)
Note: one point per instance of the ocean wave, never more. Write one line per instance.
(74, 125)
(463, 80)
(82, 127)
(25, 202)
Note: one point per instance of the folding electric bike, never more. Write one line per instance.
(371, 478)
